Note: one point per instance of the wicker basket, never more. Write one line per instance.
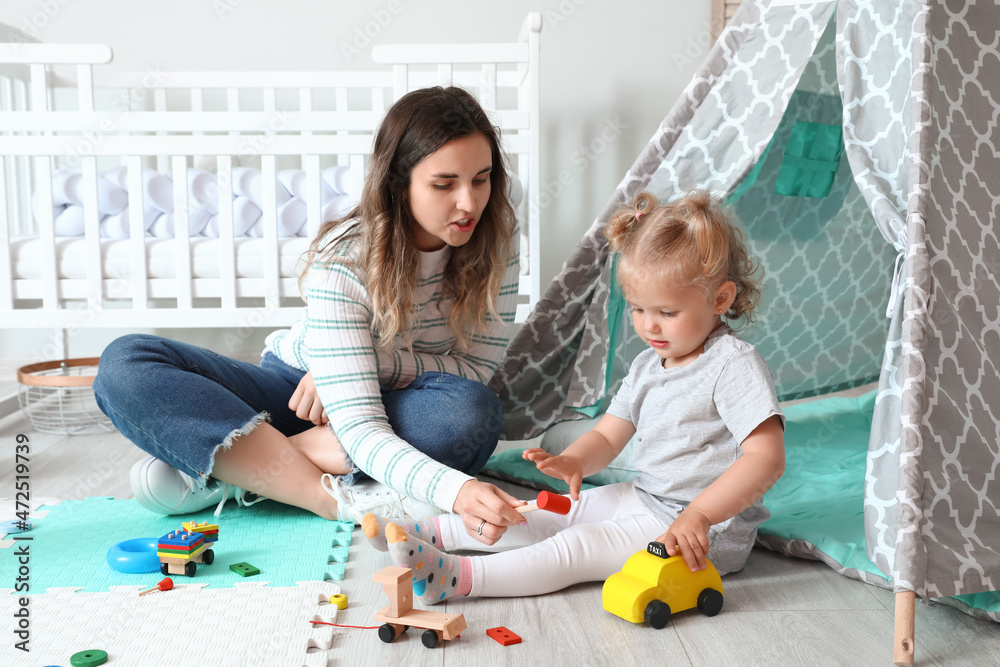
(57, 397)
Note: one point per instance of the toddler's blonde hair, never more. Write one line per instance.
(694, 241)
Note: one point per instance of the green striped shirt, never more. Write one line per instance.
(333, 340)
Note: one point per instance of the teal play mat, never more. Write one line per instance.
(820, 498)
(68, 545)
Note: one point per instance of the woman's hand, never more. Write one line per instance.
(486, 511)
(566, 468)
(305, 402)
(688, 535)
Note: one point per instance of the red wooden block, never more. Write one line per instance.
(504, 636)
(553, 502)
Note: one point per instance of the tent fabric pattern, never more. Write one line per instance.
(949, 497)
(913, 202)
(877, 130)
(557, 362)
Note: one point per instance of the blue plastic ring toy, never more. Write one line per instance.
(135, 556)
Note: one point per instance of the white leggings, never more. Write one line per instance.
(606, 526)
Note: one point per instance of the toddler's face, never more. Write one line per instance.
(674, 321)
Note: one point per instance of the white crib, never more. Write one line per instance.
(58, 109)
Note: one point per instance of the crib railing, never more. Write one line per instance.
(174, 122)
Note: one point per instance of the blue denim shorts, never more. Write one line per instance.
(181, 403)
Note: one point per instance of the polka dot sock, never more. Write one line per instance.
(437, 576)
(428, 530)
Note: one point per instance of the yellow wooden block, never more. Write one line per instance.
(202, 527)
(170, 557)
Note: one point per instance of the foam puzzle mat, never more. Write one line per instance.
(69, 542)
(247, 624)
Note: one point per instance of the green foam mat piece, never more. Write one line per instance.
(69, 545)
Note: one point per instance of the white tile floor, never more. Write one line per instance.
(778, 611)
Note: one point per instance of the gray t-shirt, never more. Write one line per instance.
(691, 420)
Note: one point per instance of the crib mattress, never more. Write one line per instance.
(161, 257)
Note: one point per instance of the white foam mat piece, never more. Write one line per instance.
(247, 625)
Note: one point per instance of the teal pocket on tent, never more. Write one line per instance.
(812, 157)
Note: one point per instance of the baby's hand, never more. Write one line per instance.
(688, 536)
(567, 469)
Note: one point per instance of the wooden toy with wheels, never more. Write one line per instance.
(179, 551)
(652, 587)
(399, 616)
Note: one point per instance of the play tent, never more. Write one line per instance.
(858, 143)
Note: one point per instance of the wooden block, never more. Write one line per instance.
(449, 625)
(180, 556)
(202, 527)
(397, 582)
(244, 569)
(503, 635)
(392, 574)
(551, 502)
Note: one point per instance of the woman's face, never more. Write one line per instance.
(449, 190)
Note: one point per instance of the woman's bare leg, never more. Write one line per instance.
(270, 464)
(321, 446)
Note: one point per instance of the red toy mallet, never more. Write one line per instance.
(550, 502)
(165, 585)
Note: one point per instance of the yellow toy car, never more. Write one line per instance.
(652, 586)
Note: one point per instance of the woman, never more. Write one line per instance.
(408, 301)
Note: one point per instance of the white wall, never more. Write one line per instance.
(610, 72)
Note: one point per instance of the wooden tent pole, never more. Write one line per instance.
(903, 645)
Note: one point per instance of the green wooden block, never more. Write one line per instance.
(244, 569)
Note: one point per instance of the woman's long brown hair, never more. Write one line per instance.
(387, 257)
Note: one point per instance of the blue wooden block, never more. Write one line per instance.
(182, 539)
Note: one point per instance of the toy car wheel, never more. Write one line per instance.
(208, 558)
(386, 633)
(710, 602)
(657, 614)
(190, 568)
(429, 638)
(164, 568)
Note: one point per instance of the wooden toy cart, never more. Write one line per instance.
(397, 582)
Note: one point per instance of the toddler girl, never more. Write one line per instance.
(701, 401)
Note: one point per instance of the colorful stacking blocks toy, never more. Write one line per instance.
(180, 550)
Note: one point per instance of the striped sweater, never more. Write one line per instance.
(333, 340)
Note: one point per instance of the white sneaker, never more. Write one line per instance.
(162, 488)
(353, 502)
